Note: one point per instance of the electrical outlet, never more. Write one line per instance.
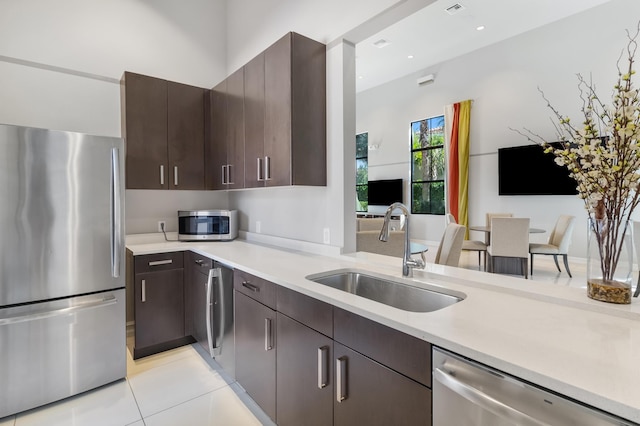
(258, 227)
(161, 226)
(326, 236)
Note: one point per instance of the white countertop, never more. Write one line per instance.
(543, 333)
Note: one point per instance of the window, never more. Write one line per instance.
(427, 166)
(362, 172)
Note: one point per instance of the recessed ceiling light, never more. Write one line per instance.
(381, 43)
(480, 28)
(360, 77)
(410, 57)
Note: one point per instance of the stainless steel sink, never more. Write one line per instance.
(395, 292)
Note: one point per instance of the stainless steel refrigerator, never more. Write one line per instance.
(62, 297)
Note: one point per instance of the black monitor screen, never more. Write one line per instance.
(385, 192)
(527, 170)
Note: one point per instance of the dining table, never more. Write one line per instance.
(487, 229)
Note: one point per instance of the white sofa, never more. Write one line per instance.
(367, 233)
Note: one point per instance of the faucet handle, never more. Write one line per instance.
(416, 263)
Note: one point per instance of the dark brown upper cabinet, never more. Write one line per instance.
(224, 150)
(268, 119)
(185, 124)
(254, 93)
(163, 127)
(295, 112)
(235, 130)
(216, 138)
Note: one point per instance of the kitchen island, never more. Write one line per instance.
(552, 336)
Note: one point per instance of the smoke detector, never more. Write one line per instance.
(455, 8)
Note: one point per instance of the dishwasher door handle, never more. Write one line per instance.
(485, 401)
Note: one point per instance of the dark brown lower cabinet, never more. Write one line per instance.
(368, 393)
(159, 307)
(256, 351)
(331, 366)
(304, 375)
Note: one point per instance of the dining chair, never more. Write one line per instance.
(449, 218)
(509, 239)
(489, 216)
(558, 243)
(471, 245)
(450, 245)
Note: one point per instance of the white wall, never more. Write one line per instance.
(258, 24)
(60, 65)
(302, 213)
(502, 81)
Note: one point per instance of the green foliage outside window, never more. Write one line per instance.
(362, 172)
(427, 166)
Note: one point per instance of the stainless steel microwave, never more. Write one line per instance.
(207, 225)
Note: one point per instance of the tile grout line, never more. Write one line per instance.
(136, 401)
(183, 402)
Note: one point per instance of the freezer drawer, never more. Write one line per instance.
(56, 349)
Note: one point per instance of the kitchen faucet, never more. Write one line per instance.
(408, 263)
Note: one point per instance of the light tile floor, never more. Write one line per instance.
(179, 387)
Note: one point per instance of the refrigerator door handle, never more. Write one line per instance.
(116, 222)
(102, 302)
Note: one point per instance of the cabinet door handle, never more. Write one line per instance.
(323, 353)
(201, 263)
(175, 175)
(161, 174)
(229, 176)
(250, 286)
(224, 174)
(267, 168)
(268, 344)
(259, 168)
(144, 291)
(341, 379)
(161, 262)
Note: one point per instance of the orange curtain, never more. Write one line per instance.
(453, 178)
(458, 116)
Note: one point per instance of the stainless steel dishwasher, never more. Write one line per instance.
(468, 393)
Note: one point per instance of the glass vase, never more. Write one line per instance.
(609, 261)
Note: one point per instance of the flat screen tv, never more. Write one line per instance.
(527, 170)
(385, 192)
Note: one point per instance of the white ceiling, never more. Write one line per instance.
(432, 35)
